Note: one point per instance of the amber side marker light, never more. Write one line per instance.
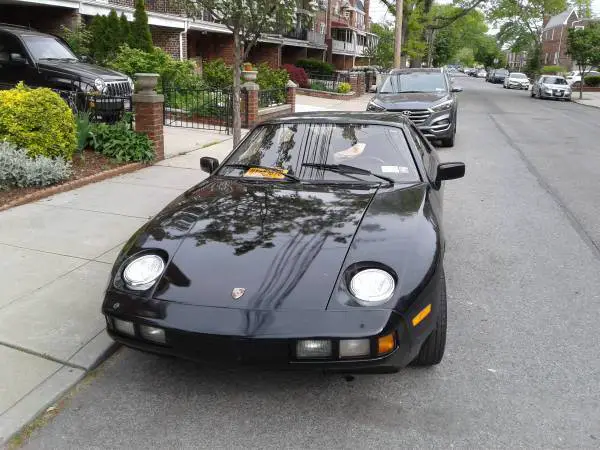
(422, 314)
(386, 344)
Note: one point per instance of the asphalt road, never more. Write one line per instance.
(522, 367)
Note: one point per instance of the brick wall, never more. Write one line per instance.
(168, 40)
(343, 62)
(210, 46)
(289, 54)
(47, 19)
(266, 53)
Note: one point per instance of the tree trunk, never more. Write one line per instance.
(237, 86)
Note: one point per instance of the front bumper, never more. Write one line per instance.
(518, 86)
(555, 94)
(227, 336)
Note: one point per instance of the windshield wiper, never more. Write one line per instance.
(256, 166)
(57, 59)
(345, 169)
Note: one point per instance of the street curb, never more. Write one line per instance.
(52, 190)
(52, 390)
(585, 104)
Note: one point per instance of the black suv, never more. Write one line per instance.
(425, 96)
(44, 60)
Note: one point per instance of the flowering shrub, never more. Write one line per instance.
(344, 88)
(38, 120)
(17, 169)
(297, 75)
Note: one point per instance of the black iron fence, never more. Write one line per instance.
(204, 108)
(98, 107)
(328, 83)
(271, 97)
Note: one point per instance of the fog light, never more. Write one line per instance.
(153, 334)
(124, 327)
(443, 122)
(386, 344)
(354, 348)
(312, 348)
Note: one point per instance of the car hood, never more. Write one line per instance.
(556, 86)
(82, 70)
(409, 100)
(283, 244)
(518, 80)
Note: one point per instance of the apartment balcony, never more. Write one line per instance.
(315, 38)
(343, 46)
(298, 33)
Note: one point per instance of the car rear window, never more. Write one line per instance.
(381, 149)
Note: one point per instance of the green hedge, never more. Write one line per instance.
(38, 120)
(553, 70)
(132, 60)
(592, 80)
(316, 66)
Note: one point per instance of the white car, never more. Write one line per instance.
(516, 80)
(575, 76)
(481, 74)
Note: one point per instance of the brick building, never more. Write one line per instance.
(554, 39)
(203, 38)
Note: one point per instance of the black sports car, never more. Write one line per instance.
(316, 243)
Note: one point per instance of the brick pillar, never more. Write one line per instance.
(148, 111)
(251, 90)
(361, 84)
(354, 83)
(290, 97)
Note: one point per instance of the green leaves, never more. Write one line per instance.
(121, 143)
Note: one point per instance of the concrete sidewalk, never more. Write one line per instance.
(56, 256)
(589, 98)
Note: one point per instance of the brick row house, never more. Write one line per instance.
(342, 39)
(554, 37)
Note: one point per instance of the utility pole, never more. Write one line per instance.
(398, 29)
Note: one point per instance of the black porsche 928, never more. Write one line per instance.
(317, 243)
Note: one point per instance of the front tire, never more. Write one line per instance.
(432, 350)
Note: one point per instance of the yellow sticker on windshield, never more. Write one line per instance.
(259, 172)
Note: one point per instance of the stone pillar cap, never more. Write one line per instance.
(291, 84)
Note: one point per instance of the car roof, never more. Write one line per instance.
(20, 30)
(343, 117)
(417, 70)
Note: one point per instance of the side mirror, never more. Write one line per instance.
(84, 58)
(17, 59)
(450, 171)
(208, 164)
(373, 88)
(457, 89)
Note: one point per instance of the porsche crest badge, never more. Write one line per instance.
(237, 293)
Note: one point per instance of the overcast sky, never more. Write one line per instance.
(379, 12)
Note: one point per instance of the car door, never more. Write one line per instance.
(15, 63)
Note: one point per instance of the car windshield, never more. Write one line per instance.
(301, 150)
(517, 75)
(47, 47)
(414, 82)
(554, 80)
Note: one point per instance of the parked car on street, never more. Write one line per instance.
(316, 244)
(551, 86)
(43, 60)
(498, 76)
(482, 74)
(574, 78)
(425, 96)
(516, 80)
